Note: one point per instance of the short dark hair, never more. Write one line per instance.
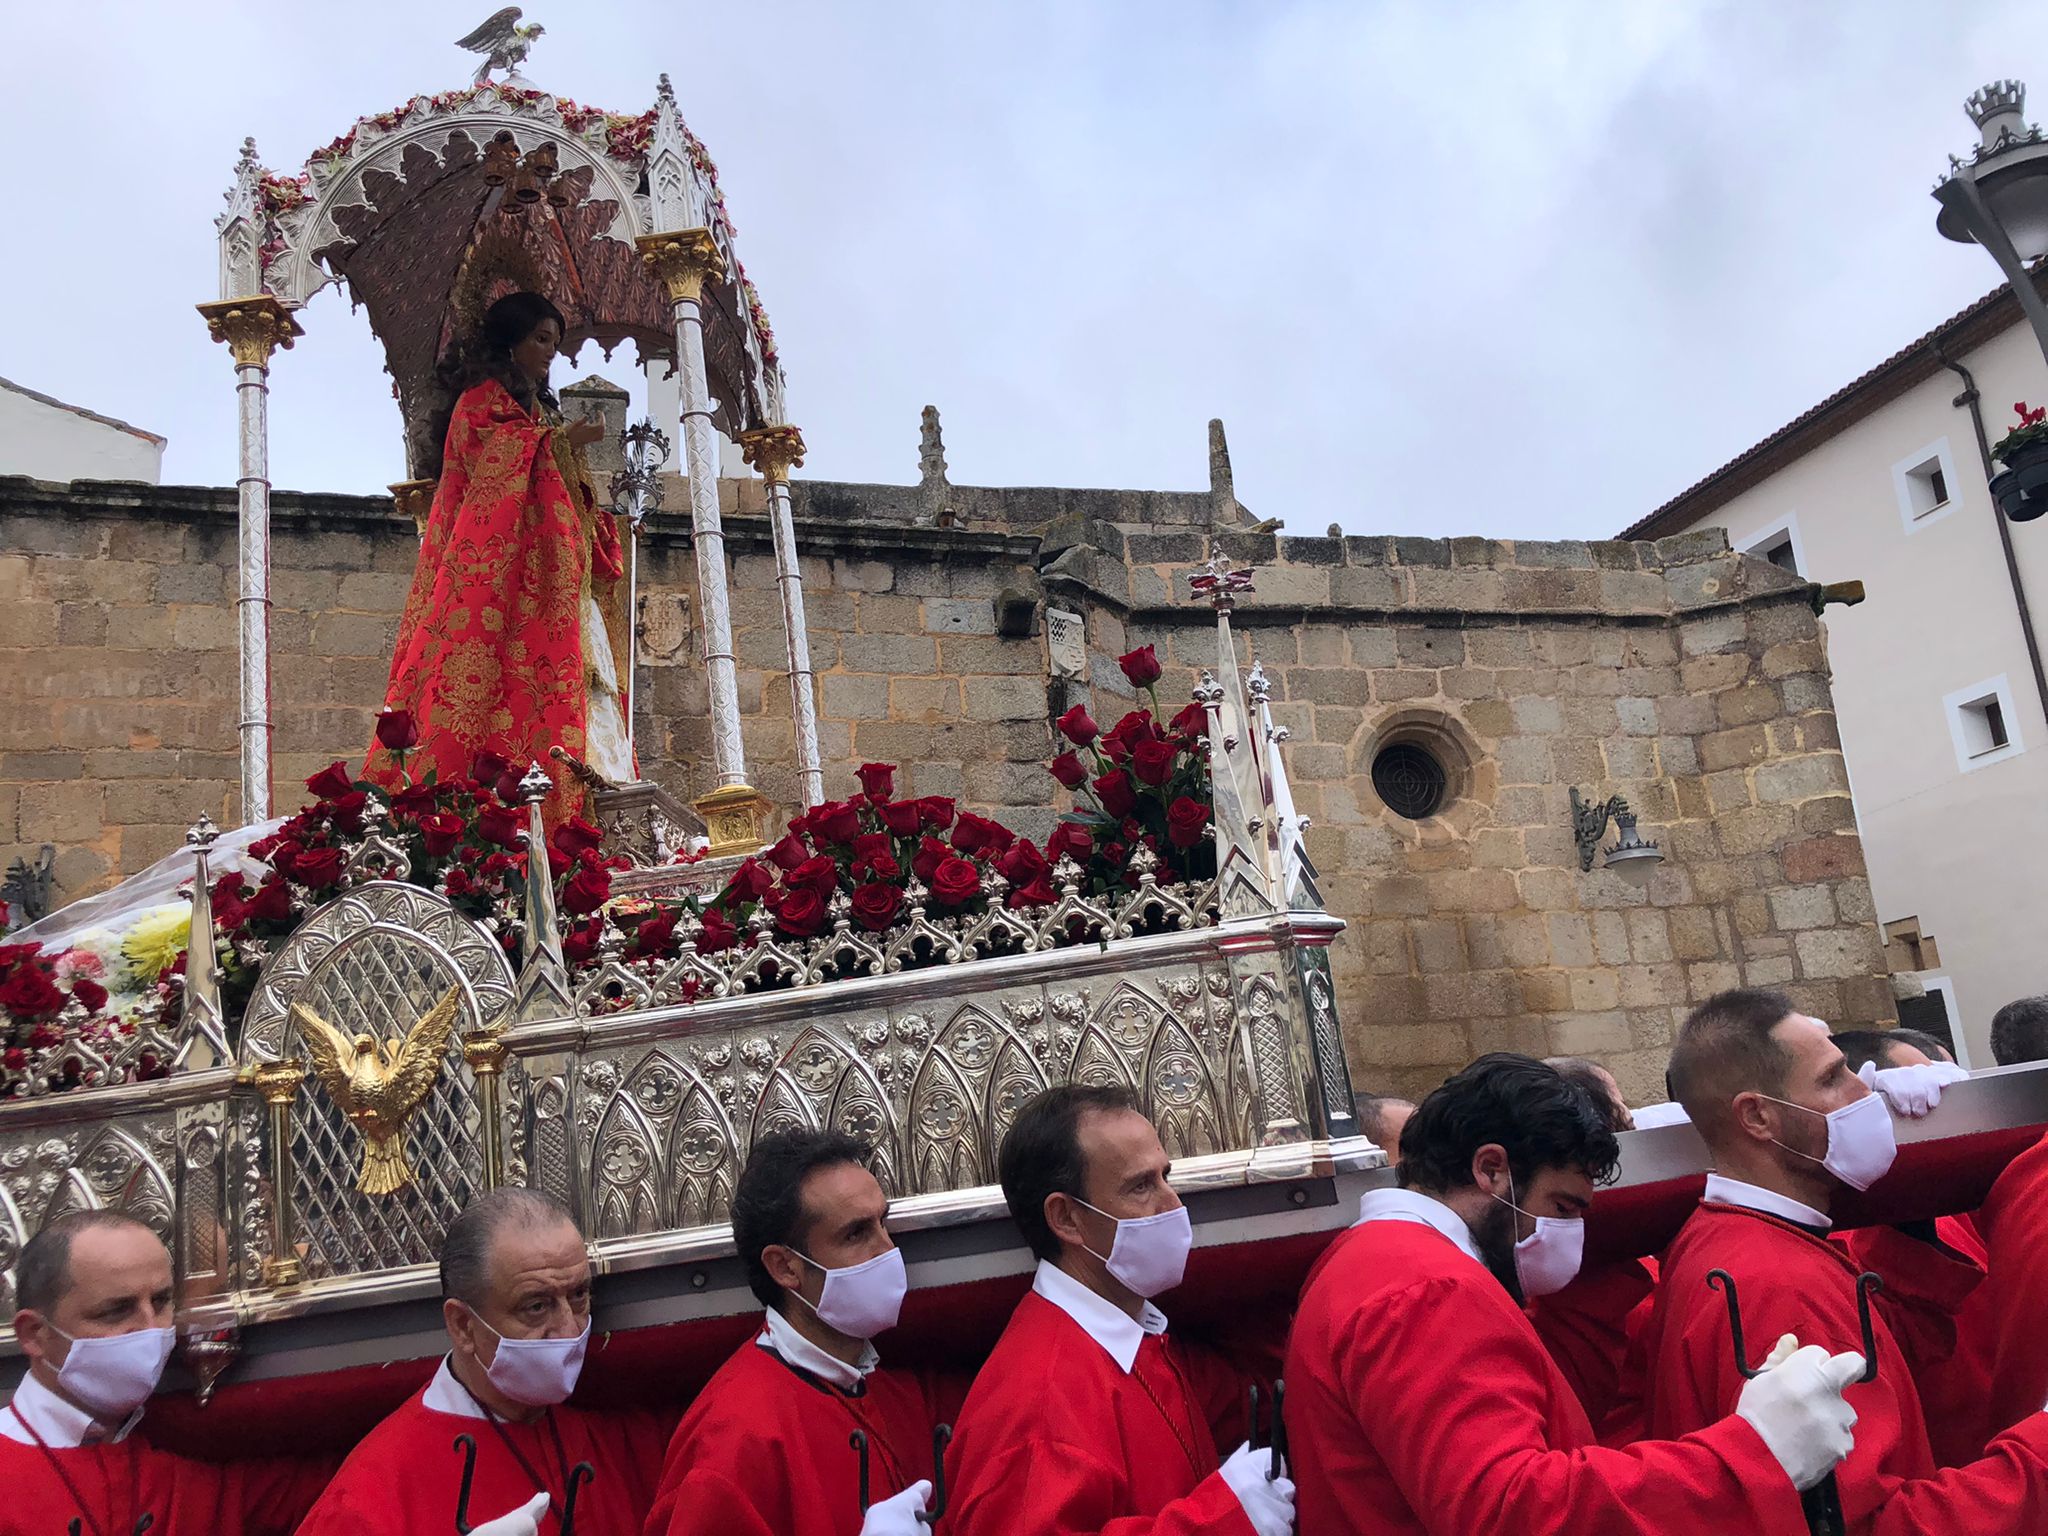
(2019, 1032)
(1041, 1155)
(1861, 1045)
(1372, 1111)
(1725, 1048)
(43, 1276)
(1598, 1082)
(768, 1206)
(1532, 1111)
(1933, 1047)
(466, 1248)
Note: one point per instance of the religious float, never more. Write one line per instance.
(303, 1047)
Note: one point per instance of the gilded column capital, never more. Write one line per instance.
(485, 1051)
(278, 1081)
(773, 451)
(253, 328)
(684, 260)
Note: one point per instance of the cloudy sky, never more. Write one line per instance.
(1523, 269)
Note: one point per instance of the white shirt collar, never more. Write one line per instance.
(780, 1338)
(1102, 1320)
(445, 1394)
(1426, 1210)
(63, 1425)
(1723, 1190)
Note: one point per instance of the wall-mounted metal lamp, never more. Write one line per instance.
(1632, 858)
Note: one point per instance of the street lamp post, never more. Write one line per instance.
(1999, 197)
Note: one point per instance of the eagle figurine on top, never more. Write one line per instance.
(504, 45)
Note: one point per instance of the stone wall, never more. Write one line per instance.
(1689, 679)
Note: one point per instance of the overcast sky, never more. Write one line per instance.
(1524, 269)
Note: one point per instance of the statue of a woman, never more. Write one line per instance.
(511, 641)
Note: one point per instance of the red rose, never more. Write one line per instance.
(1022, 863)
(880, 867)
(788, 852)
(974, 833)
(330, 781)
(1140, 666)
(1135, 727)
(89, 992)
(15, 1059)
(489, 767)
(1078, 727)
(1039, 893)
(655, 936)
(750, 882)
(397, 731)
(931, 853)
(30, 994)
(719, 933)
(229, 912)
(801, 913)
(587, 891)
(271, 904)
(956, 880)
(576, 837)
(1068, 770)
(1114, 790)
(836, 823)
(415, 800)
(936, 812)
(579, 942)
(1069, 840)
(820, 875)
(901, 817)
(14, 954)
(319, 868)
(1186, 821)
(875, 906)
(501, 825)
(346, 811)
(877, 780)
(1153, 762)
(441, 832)
(872, 845)
(507, 788)
(1192, 721)
(458, 883)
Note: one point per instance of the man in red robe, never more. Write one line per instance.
(95, 1322)
(765, 1448)
(1420, 1401)
(2014, 1222)
(1788, 1124)
(515, 1283)
(1087, 1417)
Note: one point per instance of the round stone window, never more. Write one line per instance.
(1409, 779)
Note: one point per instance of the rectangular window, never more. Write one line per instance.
(1782, 555)
(1776, 542)
(1982, 723)
(1925, 483)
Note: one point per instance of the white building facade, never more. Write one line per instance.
(45, 439)
(1938, 679)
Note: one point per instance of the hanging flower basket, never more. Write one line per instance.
(2021, 489)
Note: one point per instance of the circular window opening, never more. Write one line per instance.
(1409, 779)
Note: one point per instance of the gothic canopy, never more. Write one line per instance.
(429, 212)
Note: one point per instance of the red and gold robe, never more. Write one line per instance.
(1792, 1281)
(764, 1450)
(490, 647)
(1420, 1402)
(405, 1477)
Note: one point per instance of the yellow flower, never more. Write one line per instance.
(157, 939)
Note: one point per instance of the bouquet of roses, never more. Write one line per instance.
(36, 990)
(1141, 783)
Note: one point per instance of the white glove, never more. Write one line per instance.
(1796, 1408)
(897, 1516)
(1912, 1091)
(523, 1521)
(1268, 1504)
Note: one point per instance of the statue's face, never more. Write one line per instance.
(536, 355)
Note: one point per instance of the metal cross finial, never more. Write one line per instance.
(1219, 581)
(536, 786)
(636, 489)
(202, 833)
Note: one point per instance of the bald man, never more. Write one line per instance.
(515, 1287)
(95, 1322)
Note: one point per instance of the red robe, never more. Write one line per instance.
(764, 1450)
(1791, 1281)
(1420, 1402)
(1587, 1326)
(1955, 1391)
(1056, 1440)
(490, 646)
(2014, 1222)
(121, 1483)
(404, 1478)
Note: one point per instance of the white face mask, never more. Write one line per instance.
(536, 1373)
(1150, 1253)
(114, 1374)
(861, 1300)
(1548, 1259)
(1862, 1143)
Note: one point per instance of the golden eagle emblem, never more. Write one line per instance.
(378, 1084)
